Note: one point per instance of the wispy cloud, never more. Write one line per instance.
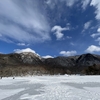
(70, 2)
(68, 53)
(98, 39)
(58, 31)
(53, 3)
(71, 43)
(85, 3)
(22, 44)
(23, 21)
(96, 35)
(96, 4)
(68, 37)
(87, 25)
(92, 49)
(98, 30)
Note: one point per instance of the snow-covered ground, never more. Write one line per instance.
(50, 88)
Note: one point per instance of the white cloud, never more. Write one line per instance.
(47, 56)
(53, 3)
(68, 24)
(85, 3)
(68, 53)
(58, 31)
(24, 50)
(70, 2)
(98, 30)
(96, 4)
(68, 37)
(72, 44)
(87, 25)
(22, 44)
(6, 40)
(95, 35)
(98, 39)
(29, 15)
(92, 49)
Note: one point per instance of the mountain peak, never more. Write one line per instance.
(87, 60)
(30, 55)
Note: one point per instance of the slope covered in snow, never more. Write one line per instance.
(50, 88)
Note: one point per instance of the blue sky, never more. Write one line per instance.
(50, 27)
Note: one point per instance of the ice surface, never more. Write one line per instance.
(61, 87)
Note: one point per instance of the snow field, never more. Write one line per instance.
(58, 87)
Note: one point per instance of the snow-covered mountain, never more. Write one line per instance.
(30, 58)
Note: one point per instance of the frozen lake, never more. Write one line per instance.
(61, 87)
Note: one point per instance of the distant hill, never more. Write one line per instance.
(15, 64)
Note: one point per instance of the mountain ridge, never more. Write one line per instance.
(30, 63)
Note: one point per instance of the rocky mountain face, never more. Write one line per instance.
(30, 63)
(60, 62)
(20, 59)
(87, 60)
(30, 58)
